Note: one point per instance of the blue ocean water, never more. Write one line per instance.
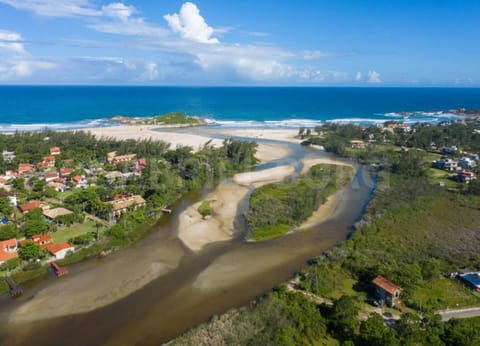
(34, 107)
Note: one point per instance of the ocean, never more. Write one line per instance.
(67, 107)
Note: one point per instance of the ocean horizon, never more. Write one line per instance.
(27, 108)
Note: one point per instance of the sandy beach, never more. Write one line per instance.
(265, 152)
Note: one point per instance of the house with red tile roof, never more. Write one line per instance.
(25, 168)
(65, 172)
(55, 151)
(50, 176)
(59, 250)
(387, 291)
(79, 181)
(30, 205)
(42, 239)
(8, 250)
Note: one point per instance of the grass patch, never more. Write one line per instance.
(205, 209)
(444, 294)
(64, 235)
(269, 232)
(177, 119)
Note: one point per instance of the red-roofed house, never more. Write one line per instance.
(25, 168)
(387, 291)
(48, 162)
(79, 181)
(59, 250)
(30, 205)
(65, 172)
(8, 250)
(42, 239)
(55, 151)
(50, 176)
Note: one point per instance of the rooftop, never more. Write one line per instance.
(54, 248)
(385, 284)
(56, 212)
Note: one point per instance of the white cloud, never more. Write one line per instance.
(190, 24)
(373, 77)
(11, 41)
(313, 54)
(118, 10)
(55, 8)
(358, 76)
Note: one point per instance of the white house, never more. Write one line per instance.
(59, 250)
(467, 163)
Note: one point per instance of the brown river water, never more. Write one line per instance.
(188, 289)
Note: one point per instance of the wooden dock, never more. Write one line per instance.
(59, 271)
(15, 290)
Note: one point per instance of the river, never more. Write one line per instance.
(188, 287)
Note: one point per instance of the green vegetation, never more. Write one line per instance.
(441, 293)
(281, 318)
(205, 209)
(276, 208)
(68, 233)
(176, 118)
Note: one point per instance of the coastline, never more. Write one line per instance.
(192, 232)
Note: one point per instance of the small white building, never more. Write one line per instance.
(467, 163)
(60, 250)
(8, 155)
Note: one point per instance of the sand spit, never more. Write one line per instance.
(196, 232)
(265, 176)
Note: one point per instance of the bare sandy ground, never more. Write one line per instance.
(265, 152)
(286, 135)
(195, 232)
(264, 176)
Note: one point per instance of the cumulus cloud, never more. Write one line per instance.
(373, 77)
(187, 44)
(190, 24)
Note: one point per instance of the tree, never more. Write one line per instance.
(35, 223)
(6, 208)
(373, 332)
(30, 250)
(8, 231)
(345, 317)
(10, 264)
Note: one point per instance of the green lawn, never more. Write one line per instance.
(65, 234)
(445, 293)
(438, 175)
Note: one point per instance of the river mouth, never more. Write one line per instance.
(192, 286)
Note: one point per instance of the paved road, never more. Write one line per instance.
(460, 313)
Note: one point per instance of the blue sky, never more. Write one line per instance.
(262, 42)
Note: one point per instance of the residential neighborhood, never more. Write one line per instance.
(39, 210)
